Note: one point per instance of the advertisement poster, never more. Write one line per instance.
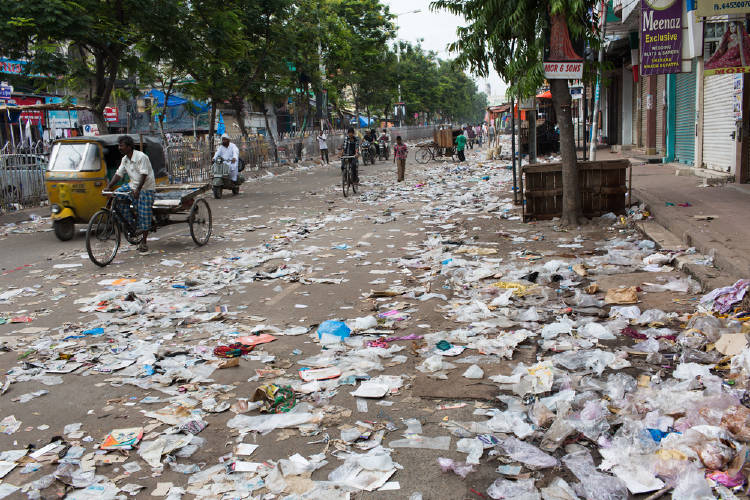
(732, 53)
(62, 119)
(709, 8)
(661, 36)
(562, 60)
(35, 116)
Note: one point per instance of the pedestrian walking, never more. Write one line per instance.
(399, 158)
(471, 136)
(460, 146)
(323, 145)
(492, 134)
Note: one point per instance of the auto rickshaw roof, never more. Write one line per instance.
(151, 144)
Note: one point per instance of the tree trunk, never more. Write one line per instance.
(571, 202)
(163, 114)
(211, 127)
(239, 110)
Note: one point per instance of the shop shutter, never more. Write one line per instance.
(659, 104)
(685, 111)
(634, 114)
(644, 111)
(719, 148)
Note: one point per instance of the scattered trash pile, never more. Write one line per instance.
(534, 366)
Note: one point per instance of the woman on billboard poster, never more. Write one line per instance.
(733, 50)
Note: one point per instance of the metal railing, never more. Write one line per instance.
(22, 180)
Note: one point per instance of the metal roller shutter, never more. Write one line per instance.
(661, 81)
(685, 124)
(719, 148)
(644, 111)
(634, 115)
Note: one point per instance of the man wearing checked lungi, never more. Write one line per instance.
(141, 189)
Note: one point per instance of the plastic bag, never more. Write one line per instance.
(595, 331)
(692, 485)
(461, 469)
(558, 489)
(595, 485)
(473, 447)
(335, 328)
(423, 442)
(523, 489)
(473, 372)
(526, 453)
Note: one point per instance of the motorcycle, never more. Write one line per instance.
(222, 177)
(368, 152)
(383, 149)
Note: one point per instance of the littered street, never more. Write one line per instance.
(433, 276)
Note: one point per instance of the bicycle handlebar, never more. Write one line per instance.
(347, 157)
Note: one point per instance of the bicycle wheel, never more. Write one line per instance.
(424, 155)
(200, 222)
(345, 183)
(102, 238)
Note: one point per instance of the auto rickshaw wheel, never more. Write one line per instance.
(217, 192)
(64, 229)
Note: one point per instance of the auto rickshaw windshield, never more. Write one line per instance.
(71, 157)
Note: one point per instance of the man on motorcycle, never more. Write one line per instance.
(351, 148)
(230, 154)
(383, 143)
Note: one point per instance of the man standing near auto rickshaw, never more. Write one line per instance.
(141, 190)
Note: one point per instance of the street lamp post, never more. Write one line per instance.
(398, 58)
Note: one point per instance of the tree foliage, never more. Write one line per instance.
(509, 35)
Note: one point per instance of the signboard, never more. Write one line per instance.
(732, 52)
(62, 119)
(111, 114)
(562, 59)
(661, 37)
(576, 92)
(708, 8)
(90, 129)
(563, 71)
(11, 67)
(5, 91)
(35, 116)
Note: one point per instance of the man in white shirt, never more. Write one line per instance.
(230, 154)
(141, 190)
(323, 146)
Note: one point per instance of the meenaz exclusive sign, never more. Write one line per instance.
(661, 36)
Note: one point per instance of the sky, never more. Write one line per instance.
(437, 30)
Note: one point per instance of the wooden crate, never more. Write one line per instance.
(602, 186)
(445, 138)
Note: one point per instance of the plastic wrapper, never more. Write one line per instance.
(558, 489)
(619, 384)
(461, 469)
(591, 421)
(709, 326)
(692, 485)
(558, 432)
(526, 453)
(423, 442)
(736, 419)
(595, 331)
(523, 489)
(595, 485)
(714, 454)
(473, 447)
(540, 415)
(473, 372)
(595, 359)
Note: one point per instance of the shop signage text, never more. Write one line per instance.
(661, 36)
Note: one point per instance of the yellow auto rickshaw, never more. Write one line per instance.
(79, 168)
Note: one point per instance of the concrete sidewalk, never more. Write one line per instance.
(726, 236)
